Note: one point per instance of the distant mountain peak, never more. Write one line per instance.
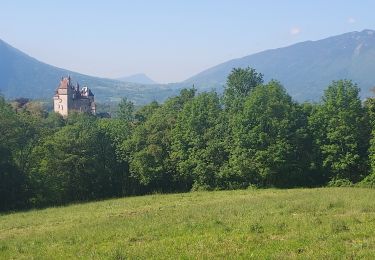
(368, 31)
(139, 78)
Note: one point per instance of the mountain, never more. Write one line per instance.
(139, 78)
(305, 69)
(24, 76)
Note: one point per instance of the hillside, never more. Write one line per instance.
(306, 68)
(327, 223)
(139, 78)
(24, 76)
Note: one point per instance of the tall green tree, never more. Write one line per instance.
(12, 178)
(239, 84)
(340, 132)
(148, 150)
(267, 138)
(198, 142)
(116, 131)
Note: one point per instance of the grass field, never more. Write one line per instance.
(297, 223)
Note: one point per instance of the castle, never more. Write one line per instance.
(70, 98)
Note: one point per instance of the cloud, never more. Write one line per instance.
(295, 31)
(351, 20)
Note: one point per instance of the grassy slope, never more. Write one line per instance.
(313, 223)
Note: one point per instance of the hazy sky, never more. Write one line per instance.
(169, 40)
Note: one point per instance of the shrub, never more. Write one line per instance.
(368, 182)
(340, 183)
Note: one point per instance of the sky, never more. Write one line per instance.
(169, 40)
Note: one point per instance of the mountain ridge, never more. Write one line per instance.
(305, 69)
(24, 76)
(279, 63)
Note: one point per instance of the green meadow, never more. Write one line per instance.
(269, 223)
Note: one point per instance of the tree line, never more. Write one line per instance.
(252, 135)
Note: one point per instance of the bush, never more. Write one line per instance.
(368, 182)
(340, 183)
(201, 187)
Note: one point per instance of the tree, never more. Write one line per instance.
(267, 139)
(76, 163)
(198, 142)
(12, 179)
(341, 132)
(240, 83)
(145, 112)
(370, 118)
(126, 110)
(148, 150)
(117, 131)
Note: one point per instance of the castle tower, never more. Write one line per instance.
(62, 96)
(70, 98)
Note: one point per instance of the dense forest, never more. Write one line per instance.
(252, 135)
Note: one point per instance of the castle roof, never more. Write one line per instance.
(64, 83)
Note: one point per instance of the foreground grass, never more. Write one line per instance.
(297, 223)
